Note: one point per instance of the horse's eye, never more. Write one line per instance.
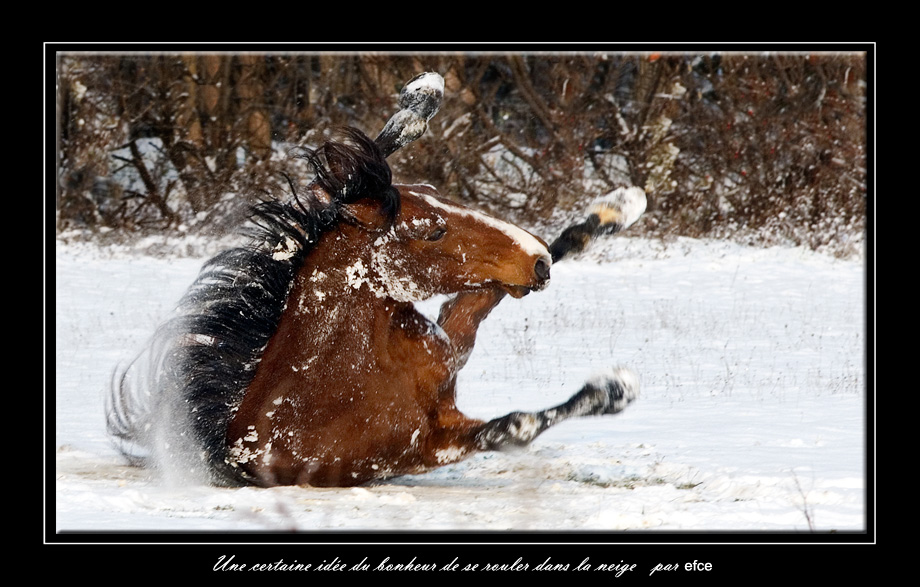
(438, 234)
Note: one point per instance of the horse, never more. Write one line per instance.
(299, 358)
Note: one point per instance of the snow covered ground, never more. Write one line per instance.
(752, 415)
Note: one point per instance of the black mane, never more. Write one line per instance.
(203, 359)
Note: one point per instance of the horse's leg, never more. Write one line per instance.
(457, 436)
(460, 318)
(607, 394)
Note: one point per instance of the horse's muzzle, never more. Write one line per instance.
(541, 270)
(541, 276)
(541, 273)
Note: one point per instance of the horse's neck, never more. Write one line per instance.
(334, 298)
(337, 328)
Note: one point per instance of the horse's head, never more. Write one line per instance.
(439, 247)
(421, 244)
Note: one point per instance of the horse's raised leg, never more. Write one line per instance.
(604, 394)
(460, 318)
(607, 394)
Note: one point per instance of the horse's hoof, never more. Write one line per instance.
(621, 386)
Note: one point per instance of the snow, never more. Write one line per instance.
(426, 82)
(752, 414)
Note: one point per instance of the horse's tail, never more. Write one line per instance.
(122, 418)
(607, 215)
(130, 409)
(148, 418)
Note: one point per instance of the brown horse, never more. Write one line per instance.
(301, 359)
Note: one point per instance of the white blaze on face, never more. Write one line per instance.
(524, 239)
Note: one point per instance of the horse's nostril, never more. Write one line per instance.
(542, 269)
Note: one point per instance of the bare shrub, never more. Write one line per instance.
(764, 149)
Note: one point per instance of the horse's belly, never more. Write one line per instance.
(345, 451)
(340, 420)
